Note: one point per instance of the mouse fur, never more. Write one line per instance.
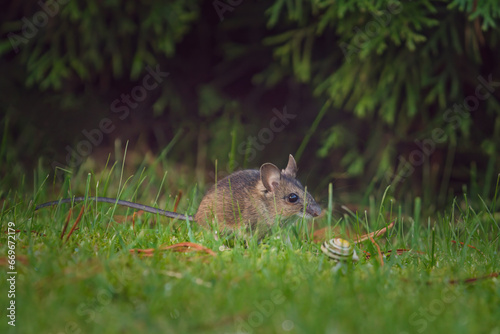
(257, 199)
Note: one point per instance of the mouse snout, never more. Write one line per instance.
(314, 210)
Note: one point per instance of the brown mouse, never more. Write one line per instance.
(251, 199)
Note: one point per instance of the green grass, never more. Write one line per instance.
(93, 284)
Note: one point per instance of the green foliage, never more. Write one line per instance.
(119, 39)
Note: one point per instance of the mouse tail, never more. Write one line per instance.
(132, 205)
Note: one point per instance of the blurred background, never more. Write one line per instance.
(364, 93)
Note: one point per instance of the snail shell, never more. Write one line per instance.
(339, 250)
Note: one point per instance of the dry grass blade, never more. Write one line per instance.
(380, 257)
(320, 235)
(178, 199)
(180, 247)
(125, 219)
(470, 246)
(76, 223)
(185, 247)
(138, 213)
(374, 234)
(399, 251)
(66, 223)
(474, 279)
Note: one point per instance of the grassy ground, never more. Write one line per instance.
(92, 283)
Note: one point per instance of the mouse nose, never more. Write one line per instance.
(317, 212)
(313, 210)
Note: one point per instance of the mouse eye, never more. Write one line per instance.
(292, 198)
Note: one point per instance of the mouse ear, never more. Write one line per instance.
(270, 176)
(291, 168)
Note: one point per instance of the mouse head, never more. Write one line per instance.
(284, 192)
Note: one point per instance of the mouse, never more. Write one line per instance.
(252, 199)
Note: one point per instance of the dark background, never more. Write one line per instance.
(377, 89)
